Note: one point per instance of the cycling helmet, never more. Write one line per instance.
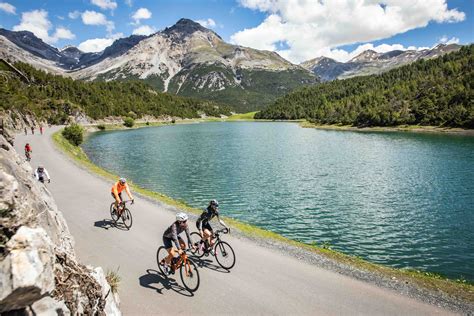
(123, 180)
(214, 203)
(40, 167)
(181, 217)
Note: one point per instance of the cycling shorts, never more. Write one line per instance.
(120, 195)
(168, 242)
(205, 225)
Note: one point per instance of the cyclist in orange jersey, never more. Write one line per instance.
(117, 189)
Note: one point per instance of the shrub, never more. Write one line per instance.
(101, 127)
(113, 279)
(74, 134)
(132, 115)
(128, 121)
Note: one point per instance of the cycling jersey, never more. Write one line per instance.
(117, 188)
(206, 216)
(41, 174)
(174, 230)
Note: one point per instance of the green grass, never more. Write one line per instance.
(460, 288)
(243, 116)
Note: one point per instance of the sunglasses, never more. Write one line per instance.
(182, 222)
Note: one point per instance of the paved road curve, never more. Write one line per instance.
(263, 281)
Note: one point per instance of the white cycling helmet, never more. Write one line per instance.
(181, 217)
(122, 180)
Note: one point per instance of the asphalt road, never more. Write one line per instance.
(263, 281)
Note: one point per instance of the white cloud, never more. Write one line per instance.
(129, 3)
(141, 14)
(105, 4)
(37, 22)
(64, 33)
(144, 30)
(312, 26)
(445, 40)
(7, 7)
(74, 14)
(209, 23)
(95, 45)
(96, 18)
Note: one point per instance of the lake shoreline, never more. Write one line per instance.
(402, 128)
(302, 122)
(420, 285)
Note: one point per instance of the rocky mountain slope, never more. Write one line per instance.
(185, 59)
(370, 62)
(39, 271)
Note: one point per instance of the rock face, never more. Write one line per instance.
(39, 272)
(27, 270)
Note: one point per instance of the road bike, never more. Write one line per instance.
(221, 250)
(188, 270)
(124, 212)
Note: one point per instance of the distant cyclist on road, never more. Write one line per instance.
(117, 189)
(203, 225)
(41, 174)
(171, 235)
(28, 151)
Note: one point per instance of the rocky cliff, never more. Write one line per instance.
(39, 271)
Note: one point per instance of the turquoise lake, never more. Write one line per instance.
(400, 199)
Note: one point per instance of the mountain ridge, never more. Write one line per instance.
(370, 62)
(184, 59)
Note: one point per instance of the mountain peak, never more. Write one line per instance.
(366, 56)
(185, 27)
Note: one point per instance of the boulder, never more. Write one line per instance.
(48, 306)
(27, 270)
(111, 300)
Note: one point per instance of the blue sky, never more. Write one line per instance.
(297, 30)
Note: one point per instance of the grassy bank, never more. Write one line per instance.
(460, 289)
(242, 116)
(401, 128)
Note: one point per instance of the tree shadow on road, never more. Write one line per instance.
(204, 262)
(107, 223)
(154, 277)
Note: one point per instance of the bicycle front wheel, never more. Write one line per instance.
(113, 213)
(127, 218)
(196, 240)
(161, 254)
(225, 255)
(189, 275)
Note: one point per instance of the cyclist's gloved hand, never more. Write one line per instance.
(133, 201)
(49, 180)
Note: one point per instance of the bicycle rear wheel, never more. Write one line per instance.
(127, 218)
(225, 255)
(196, 239)
(189, 275)
(161, 254)
(113, 213)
